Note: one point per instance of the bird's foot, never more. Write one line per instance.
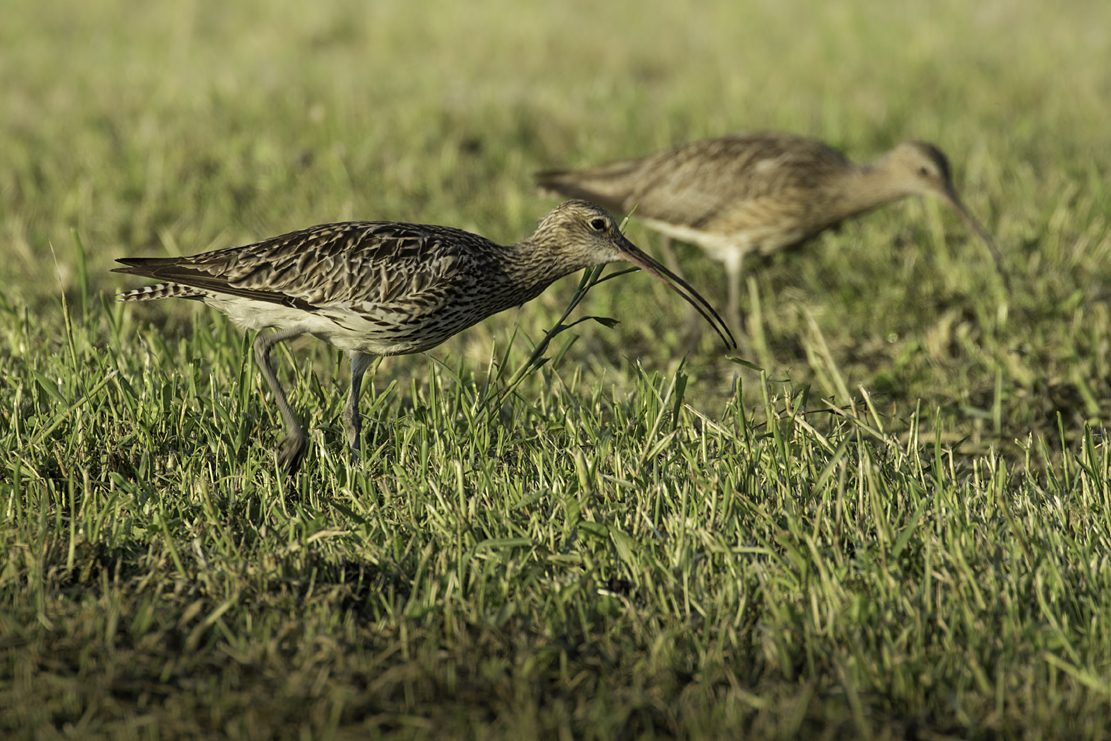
(293, 451)
(352, 426)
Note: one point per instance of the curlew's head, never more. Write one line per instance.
(919, 168)
(579, 234)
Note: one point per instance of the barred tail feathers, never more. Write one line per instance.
(160, 291)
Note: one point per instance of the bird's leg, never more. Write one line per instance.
(294, 443)
(733, 260)
(692, 321)
(352, 422)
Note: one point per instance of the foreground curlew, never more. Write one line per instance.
(759, 192)
(384, 288)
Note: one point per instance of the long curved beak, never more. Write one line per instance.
(954, 203)
(634, 255)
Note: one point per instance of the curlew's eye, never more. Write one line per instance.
(924, 171)
(598, 224)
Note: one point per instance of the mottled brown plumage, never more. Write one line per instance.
(759, 192)
(384, 288)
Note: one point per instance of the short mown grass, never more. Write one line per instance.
(896, 525)
(577, 559)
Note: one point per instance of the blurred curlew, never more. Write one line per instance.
(384, 288)
(759, 192)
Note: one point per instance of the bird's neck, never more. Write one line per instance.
(524, 270)
(533, 266)
(869, 186)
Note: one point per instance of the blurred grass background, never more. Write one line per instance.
(183, 127)
(132, 128)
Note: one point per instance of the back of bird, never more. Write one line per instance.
(711, 184)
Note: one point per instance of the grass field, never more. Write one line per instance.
(900, 527)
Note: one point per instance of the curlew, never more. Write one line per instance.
(385, 288)
(759, 192)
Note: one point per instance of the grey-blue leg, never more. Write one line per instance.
(352, 422)
(733, 262)
(294, 442)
